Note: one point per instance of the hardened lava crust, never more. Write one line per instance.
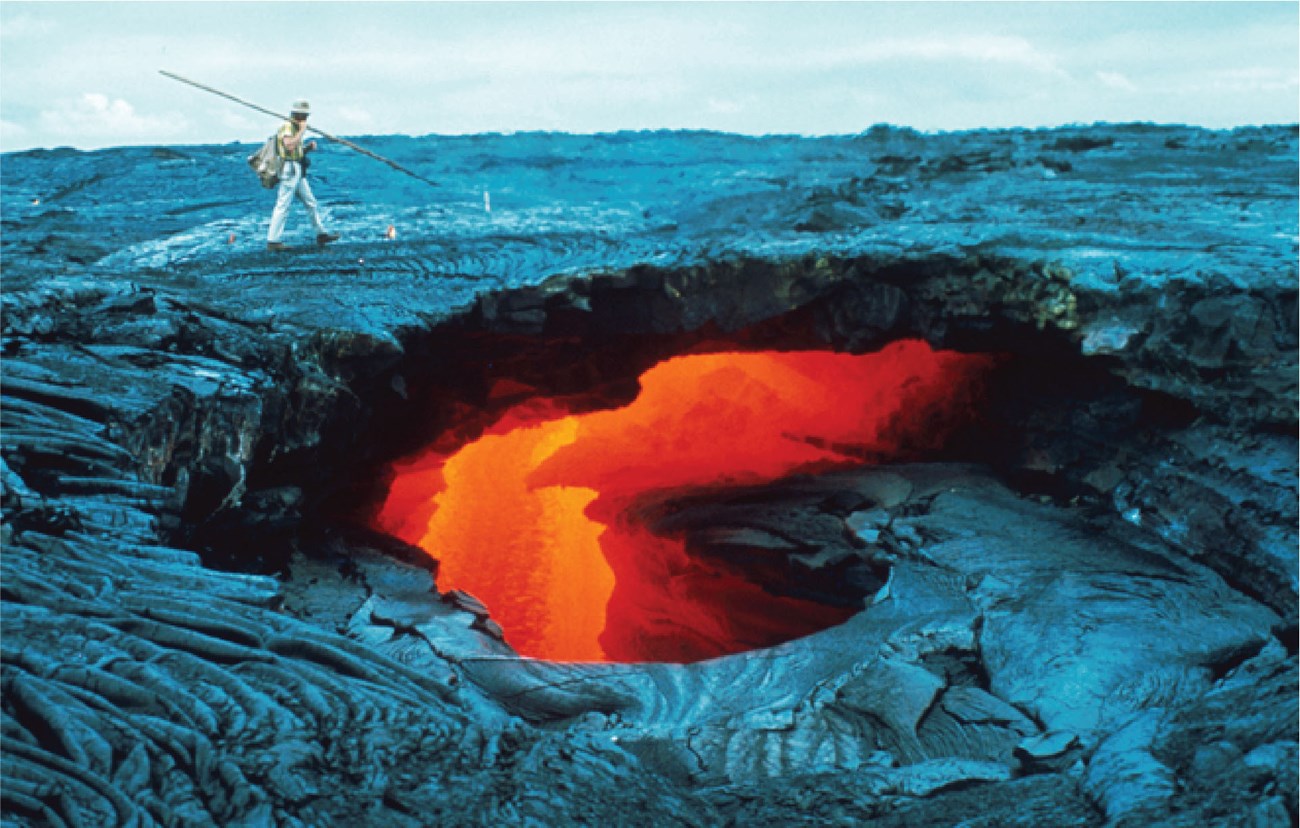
(1082, 611)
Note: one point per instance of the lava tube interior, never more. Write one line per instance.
(538, 517)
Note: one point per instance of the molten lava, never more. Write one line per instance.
(540, 517)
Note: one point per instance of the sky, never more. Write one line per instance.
(85, 74)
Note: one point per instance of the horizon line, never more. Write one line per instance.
(901, 128)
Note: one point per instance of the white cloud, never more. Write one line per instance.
(1254, 79)
(237, 122)
(95, 116)
(989, 49)
(12, 134)
(353, 117)
(725, 107)
(24, 26)
(1116, 80)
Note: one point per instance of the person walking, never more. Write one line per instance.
(293, 178)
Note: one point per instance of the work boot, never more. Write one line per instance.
(276, 246)
(326, 238)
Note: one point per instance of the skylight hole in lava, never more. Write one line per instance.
(541, 516)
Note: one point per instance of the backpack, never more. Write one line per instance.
(267, 162)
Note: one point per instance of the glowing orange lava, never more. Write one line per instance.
(538, 518)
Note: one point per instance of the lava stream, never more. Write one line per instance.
(538, 517)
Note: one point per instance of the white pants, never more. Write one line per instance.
(292, 183)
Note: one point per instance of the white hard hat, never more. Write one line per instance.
(301, 108)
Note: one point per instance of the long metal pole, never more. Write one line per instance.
(319, 132)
